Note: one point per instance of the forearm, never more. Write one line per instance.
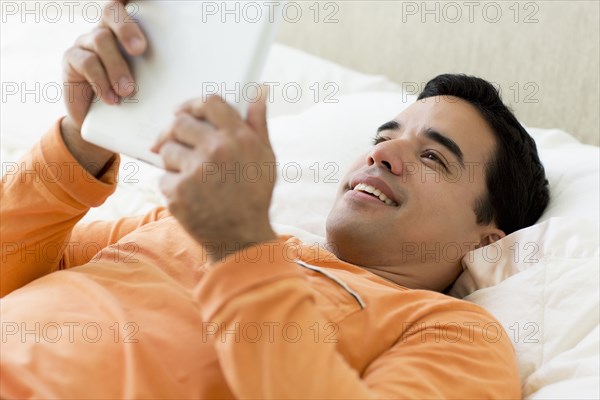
(43, 196)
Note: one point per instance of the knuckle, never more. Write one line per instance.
(68, 55)
(243, 135)
(166, 148)
(81, 39)
(101, 36)
(180, 122)
(108, 10)
(88, 61)
(213, 100)
(198, 107)
(218, 150)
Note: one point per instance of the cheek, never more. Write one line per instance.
(444, 206)
(356, 165)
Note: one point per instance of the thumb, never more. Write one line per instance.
(257, 113)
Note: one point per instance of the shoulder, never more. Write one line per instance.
(437, 307)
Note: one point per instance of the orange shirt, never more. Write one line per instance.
(130, 308)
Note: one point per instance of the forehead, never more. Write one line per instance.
(453, 117)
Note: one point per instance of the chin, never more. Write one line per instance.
(338, 234)
(348, 240)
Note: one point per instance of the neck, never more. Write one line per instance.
(412, 274)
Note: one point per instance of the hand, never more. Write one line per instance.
(220, 174)
(95, 66)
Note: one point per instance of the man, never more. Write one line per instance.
(169, 307)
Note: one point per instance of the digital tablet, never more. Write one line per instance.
(195, 48)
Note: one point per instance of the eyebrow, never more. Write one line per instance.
(447, 143)
(388, 126)
(430, 134)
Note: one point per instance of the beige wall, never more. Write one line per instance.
(547, 68)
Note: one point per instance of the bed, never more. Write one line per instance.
(345, 68)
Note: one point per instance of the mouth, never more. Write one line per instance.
(375, 193)
(374, 188)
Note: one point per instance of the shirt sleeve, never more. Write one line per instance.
(43, 197)
(88, 238)
(258, 310)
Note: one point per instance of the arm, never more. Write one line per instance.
(100, 234)
(442, 362)
(55, 184)
(43, 196)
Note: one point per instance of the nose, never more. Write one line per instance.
(386, 155)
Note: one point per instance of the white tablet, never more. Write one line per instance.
(195, 48)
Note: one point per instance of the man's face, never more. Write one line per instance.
(430, 162)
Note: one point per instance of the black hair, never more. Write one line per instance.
(517, 188)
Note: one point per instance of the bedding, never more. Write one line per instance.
(541, 282)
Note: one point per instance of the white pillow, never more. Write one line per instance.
(541, 283)
(572, 170)
(300, 80)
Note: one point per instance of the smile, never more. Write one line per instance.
(376, 193)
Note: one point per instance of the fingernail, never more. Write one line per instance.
(156, 146)
(126, 85)
(136, 44)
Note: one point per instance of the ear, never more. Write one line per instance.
(490, 235)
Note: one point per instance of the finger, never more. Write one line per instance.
(175, 156)
(103, 42)
(257, 114)
(168, 183)
(87, 64)
(186, 130)
(215, 110)
(190, 131)
(125, 28)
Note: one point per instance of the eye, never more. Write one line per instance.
(430, 155)
(379, 139)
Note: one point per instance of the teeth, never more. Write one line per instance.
(361, 187)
